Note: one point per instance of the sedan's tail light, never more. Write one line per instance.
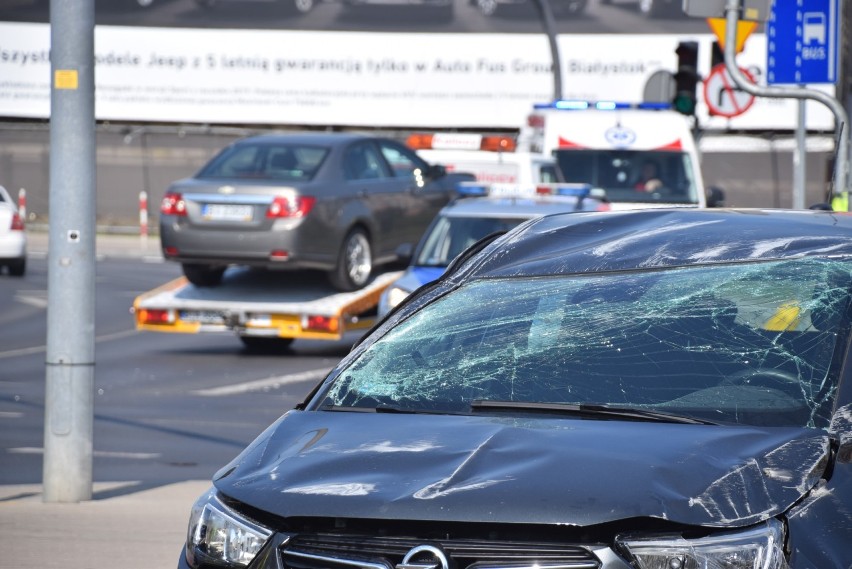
(298, 206)
(173, 204)
(17, 222)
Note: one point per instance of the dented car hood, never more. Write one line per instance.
(522, 470)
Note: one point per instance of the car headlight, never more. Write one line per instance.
(219, 536)
(758, 548)
(396, 295)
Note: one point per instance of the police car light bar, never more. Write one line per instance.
(472, 189)
(575, 190)
(571, 105)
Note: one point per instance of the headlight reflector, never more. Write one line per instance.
(758, 548)
(396, 295)
(218, 535)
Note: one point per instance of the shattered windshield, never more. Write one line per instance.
(753, 344)
(632, 175)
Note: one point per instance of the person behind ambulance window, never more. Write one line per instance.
(649, 177)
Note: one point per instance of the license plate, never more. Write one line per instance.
(202, 316)
(227, 212)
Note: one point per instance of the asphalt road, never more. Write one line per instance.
(156, 420)
(621, 17)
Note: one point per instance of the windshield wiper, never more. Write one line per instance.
(588, 410)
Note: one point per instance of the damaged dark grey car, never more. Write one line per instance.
(663, 389)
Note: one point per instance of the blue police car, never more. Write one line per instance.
(475, 215)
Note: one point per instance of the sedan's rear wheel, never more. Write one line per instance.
(203, 275)
(354, 262)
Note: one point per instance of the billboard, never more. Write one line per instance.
(357, 77)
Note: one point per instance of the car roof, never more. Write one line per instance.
(659, 238)
(505, 207)
(319, 138)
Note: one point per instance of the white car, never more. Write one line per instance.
(13, 239)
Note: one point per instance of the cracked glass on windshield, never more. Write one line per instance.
(742, 343)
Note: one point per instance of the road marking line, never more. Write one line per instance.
(36, 298)
(97, 453)
(11, 414)
(271, 382)
(40, 349)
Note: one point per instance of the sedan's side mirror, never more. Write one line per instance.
(715, 197)
(436, 171)
(405, 252)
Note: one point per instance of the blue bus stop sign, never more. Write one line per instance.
(802, 42)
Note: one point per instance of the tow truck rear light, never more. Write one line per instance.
(156, 316)
(318, 323)
(17, 223)
(461, 141)
(173, 204)
(284, 206)
(279, 255)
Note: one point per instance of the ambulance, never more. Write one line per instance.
(641, 154)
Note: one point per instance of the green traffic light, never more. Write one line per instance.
(684, 104)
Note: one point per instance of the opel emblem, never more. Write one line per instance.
(424, 557)
(226, 190)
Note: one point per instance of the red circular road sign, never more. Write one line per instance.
(723, 97)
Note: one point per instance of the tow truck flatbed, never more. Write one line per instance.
(259, 304)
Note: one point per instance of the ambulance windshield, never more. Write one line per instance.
(642, 176)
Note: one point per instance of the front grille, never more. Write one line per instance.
(329, 551)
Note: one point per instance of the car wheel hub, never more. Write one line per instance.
(358, 262)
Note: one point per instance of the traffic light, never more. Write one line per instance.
(686, 78)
